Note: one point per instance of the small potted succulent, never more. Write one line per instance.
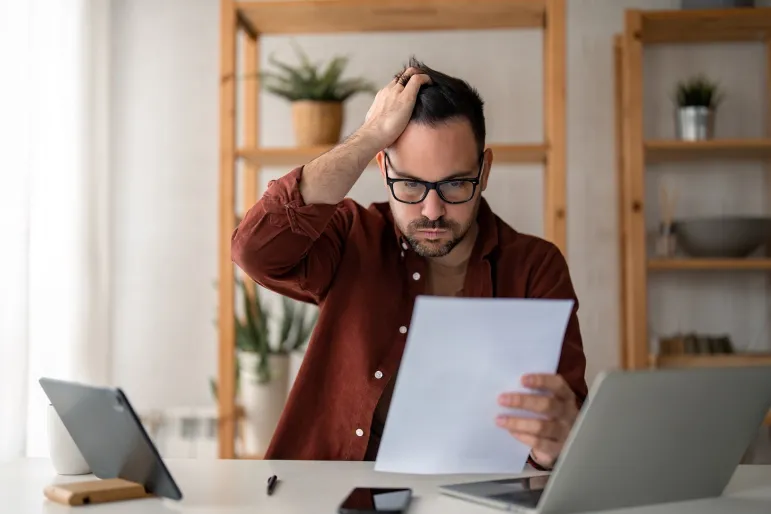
(317, 96)
(696, 99)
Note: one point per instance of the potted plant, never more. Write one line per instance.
(317, 96)
(263, 364)
(697, 99)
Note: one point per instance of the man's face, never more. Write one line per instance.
(447, 151)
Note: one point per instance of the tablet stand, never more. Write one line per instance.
(95, 491)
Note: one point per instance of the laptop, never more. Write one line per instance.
(643, 438)
(110, 435)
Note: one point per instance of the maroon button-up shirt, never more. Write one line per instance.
(354, 263)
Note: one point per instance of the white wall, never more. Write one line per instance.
(164, 138)
(165, 61)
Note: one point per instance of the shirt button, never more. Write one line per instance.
(378, 374)
(359, 432)
(416, 276)
(402, 329)
(402, 254)
(404, 245)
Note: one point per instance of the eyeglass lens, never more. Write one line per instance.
(454, 191)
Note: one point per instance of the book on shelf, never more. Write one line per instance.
(695, 344)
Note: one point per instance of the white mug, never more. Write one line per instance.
(65, 456)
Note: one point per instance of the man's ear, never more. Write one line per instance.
(380, 157)
(487, 164)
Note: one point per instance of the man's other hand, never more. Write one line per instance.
(555, 408)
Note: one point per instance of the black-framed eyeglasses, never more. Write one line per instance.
(453, 190)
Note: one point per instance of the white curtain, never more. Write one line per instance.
(54, 206)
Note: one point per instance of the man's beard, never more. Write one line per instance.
(431, 250)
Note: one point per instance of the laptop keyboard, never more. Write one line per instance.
(526, 498)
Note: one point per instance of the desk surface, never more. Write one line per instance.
(230, 487)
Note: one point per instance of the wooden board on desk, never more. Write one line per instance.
(95, 491)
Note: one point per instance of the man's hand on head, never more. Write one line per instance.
(555, 408)
(391, 110)
(328, 178)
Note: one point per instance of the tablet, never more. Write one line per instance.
(110, 435)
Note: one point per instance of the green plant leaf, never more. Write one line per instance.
(306, 82)
(308, 329)
(299, 335)
(698, 91)
(213, 388)
(305, 63)
(213, 383)
(350, 87)
(257, 328)
(252, 332)
(328, 83)
(287, 322)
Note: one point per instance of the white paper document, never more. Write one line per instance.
(460, 355)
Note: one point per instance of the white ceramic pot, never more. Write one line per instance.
(263, 403)
(64, 453)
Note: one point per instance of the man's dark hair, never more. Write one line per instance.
(447, 98)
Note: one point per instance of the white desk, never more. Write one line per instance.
(228, 487)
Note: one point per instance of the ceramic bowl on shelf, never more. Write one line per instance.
(722, 236)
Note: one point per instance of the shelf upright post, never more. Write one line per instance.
(554, 48)
(226, 386)
(637, 354)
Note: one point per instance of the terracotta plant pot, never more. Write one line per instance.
(317, 123)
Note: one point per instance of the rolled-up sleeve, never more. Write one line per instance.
(290, 246)
(552, 280)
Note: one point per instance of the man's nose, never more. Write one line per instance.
(433, 207)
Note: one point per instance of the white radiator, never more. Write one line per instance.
(183, 432)
(191, 432)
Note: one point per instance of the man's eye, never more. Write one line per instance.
(412, 184)
(456, 183)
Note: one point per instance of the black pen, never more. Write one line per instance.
(272, 484)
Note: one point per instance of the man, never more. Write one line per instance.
(364, 267)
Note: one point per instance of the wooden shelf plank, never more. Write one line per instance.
(705, 25)
(533, 153)
(506, 154)
(664, 150)
(708, 361)
(709, 264)
(328, 16)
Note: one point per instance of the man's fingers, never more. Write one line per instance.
(541, 404)
(414, 83)
(549, 382)
(403, 77)
(541, 428)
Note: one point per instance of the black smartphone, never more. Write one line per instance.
(376, 500)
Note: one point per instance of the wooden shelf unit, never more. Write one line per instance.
(700, 26)
(340, 16)
(250, 20)
(709, 264)
(634, 153)
(733, 149)
(711, 361)
(502, 154)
